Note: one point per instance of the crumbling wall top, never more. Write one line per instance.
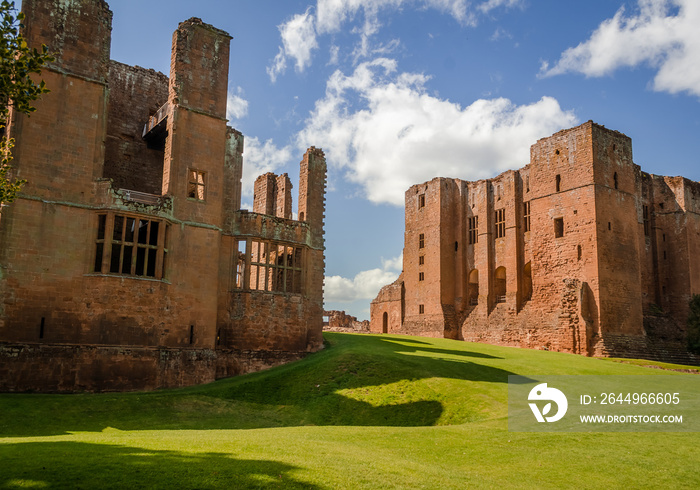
(196, 21)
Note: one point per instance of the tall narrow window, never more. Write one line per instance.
(421, 201)
(558, 182)
(526, 216)
(136, 247)
(527, 282)
(195, 185)
(421, 241)
(421, 260)
(500, 223)
(647, 224)
(421, 309)
(421, 276)
(615, 180)
(473, 230)
(558, 227)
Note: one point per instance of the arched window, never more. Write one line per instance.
(474, 287)
(527, 282)
(385, 322)
(500, 285)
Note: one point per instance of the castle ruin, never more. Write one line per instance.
(579, 251)
(126, 261)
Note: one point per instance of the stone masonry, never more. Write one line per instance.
(339, 321)
(579, 251)
(126, 262)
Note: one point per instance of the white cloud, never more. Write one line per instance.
(236, 105)
(298, 40)
(259, 158)
(662, 34)
(364, 286)
(400, 135)
(334, 55)
(279, 64)
(299, 35)
(490, 5)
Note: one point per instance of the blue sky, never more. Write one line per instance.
(400, 91)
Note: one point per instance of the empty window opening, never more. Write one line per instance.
(500, 223)
(191, 334)
(456, 246)
(421, 276)
(218, 337)
(500, 285)
(473, 230)
(498, 192)
(614, 147)
(527, 184)
(609, 225)
(579, 252)
(615, 179)
(647, 223)
(664, 254)
(421, 309)
(474, 287)
(421, 201)
(527, 282)
(421, 241)
(526, 216)
(274, 267)
(556, 152)
(385, 322)
(41, 327)
(129, 245)
(240, 265)
(661, 205)
(558, 182)
(663, 236)
(558, 227)
(195, 185)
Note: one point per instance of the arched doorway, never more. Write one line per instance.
(474, 287)
(385, 322)
(500, 285)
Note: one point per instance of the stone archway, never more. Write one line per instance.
(500, 285)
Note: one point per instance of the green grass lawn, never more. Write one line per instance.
(367, 412)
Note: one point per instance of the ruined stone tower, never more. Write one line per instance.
(579, 251)
(126, 261)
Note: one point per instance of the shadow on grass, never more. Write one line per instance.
(357, 381)
(432, 350)
(85, 465)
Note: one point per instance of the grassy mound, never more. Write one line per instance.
(366, 412)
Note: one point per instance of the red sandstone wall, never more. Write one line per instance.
(619, 256)
(389, 302)
(135, 94)
(76, 368)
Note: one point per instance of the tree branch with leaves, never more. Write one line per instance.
(18, 90)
